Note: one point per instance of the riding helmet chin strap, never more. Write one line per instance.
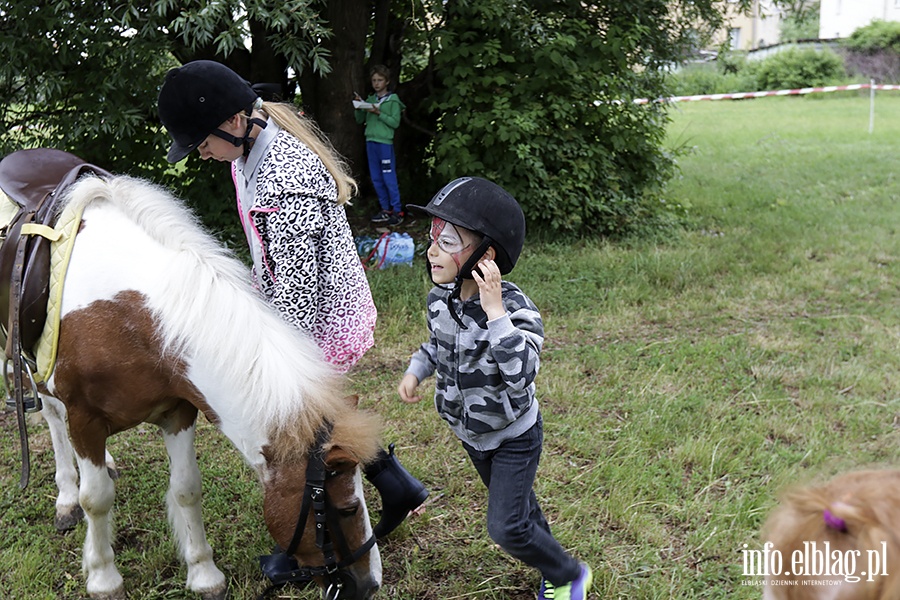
(244, 141)
(465, 272)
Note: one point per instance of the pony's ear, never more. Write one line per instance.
(338, 459)
(352, 400)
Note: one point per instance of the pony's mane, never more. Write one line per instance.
(210, 309)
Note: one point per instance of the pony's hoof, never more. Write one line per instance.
(68, 519)
(118, 594)
(219, 594)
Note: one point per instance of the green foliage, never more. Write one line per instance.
(73, 77)
(84, 77)
(793, 68)
(562, 136)
(711, 78)
(534, 94)
(800, 68)
(793, 29)
(801, 20)
(878, 35)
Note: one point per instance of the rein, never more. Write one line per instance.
(326, 518)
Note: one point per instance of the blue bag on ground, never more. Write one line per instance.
(386, 250)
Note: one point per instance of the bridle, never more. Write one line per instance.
(281, 568)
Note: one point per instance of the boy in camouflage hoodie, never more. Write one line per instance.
(484, 350)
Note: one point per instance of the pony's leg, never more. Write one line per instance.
(183, 500)
(68, 511)
(96, 496)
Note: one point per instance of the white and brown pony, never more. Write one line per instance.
(158, 322)
(839, 540)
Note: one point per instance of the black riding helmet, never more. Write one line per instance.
(198, 97)
(486, 208)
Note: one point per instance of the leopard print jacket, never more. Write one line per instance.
(311, 271)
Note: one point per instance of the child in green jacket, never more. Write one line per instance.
(381, 121)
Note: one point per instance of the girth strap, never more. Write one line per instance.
(14, 349)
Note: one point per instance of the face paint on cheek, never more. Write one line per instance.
(455, 257)
(448, 240)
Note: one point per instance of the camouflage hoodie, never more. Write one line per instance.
(485, 374)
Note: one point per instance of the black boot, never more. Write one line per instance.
(400, 492)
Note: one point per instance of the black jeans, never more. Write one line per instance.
(515, 521)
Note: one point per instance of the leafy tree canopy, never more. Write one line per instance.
(535, 94)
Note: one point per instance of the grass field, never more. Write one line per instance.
(684, 383)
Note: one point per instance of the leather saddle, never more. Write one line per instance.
(35, 181)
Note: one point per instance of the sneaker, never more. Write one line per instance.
(547, 591)
(395, 218)
(578, 589)
(381, 217)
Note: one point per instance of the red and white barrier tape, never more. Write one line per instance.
(741, 95)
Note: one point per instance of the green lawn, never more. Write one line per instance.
(684, 382)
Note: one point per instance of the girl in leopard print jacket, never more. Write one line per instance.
(291, 189)
(304, 258)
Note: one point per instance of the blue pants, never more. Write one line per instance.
(515, 521)
(382, 170)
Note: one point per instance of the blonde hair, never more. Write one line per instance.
(856, 512)
(291, 120)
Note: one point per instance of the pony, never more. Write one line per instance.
(158, 322)
(837, 540)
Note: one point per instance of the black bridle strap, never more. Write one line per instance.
(315, 486)
(326, 519)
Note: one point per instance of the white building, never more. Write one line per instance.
(840, 18)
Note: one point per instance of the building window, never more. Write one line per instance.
(734, 38)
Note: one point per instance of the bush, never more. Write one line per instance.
(873, 51)
(559, 139)
(877, 36)
(712, 78)
(800, 68)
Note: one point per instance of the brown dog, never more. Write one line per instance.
(835, 541)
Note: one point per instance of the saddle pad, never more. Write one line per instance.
(60, 253)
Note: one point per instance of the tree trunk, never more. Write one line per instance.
(328, 99)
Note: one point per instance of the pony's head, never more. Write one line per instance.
(314, 505)
(838, 540)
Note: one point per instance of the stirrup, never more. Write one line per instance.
(31, 403)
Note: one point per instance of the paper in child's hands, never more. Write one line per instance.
(363, 105)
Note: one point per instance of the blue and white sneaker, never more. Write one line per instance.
(381, 217)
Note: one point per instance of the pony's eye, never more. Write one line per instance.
(349, 511)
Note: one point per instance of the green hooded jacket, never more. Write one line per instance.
(380, 128)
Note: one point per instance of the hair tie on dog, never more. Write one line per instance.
(834, 522)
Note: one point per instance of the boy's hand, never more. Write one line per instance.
(407, 389)
(487, 276)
